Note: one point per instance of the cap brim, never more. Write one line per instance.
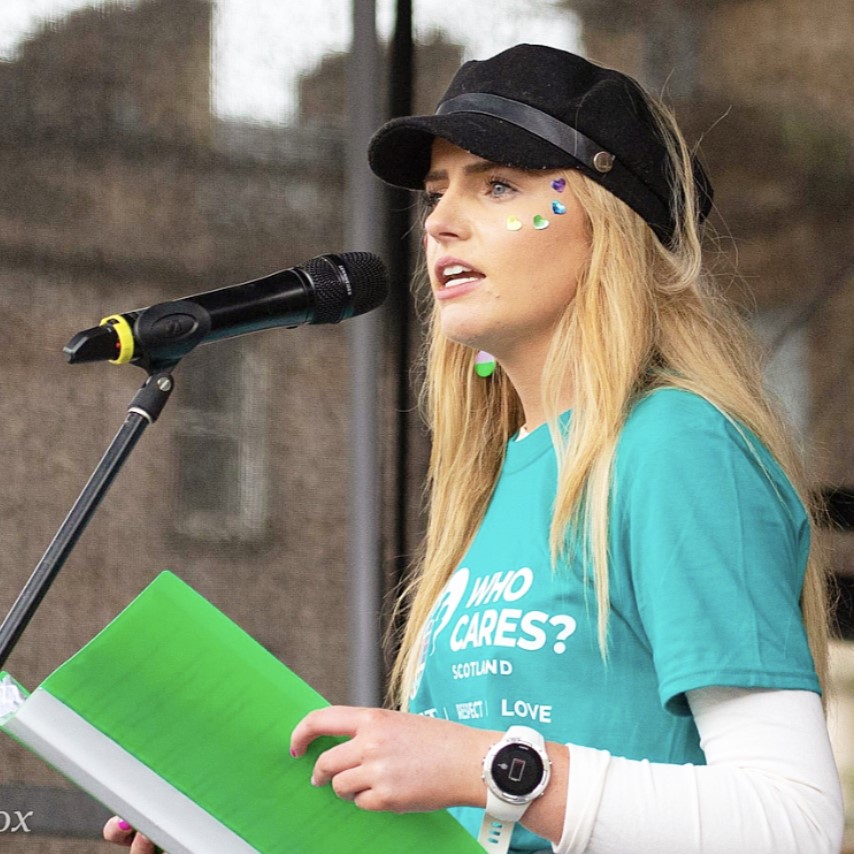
(400, 151)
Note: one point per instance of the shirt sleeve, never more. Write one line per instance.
(713, 542)
(770, 785)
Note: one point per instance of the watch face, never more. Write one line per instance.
(517, 769)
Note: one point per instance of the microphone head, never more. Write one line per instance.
(346, 285)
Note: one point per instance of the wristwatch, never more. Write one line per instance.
(516, 771)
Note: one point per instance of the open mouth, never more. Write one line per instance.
(454, 275)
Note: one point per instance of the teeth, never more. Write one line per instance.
(455, 270)
(454, 275)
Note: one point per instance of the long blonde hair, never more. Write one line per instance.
(644, 317)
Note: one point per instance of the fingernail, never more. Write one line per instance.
(123, 825)
(313, 781)
(293, 753)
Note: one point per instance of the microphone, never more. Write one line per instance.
(326, 289)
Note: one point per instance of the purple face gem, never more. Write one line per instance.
(559, 185)
(558, 208)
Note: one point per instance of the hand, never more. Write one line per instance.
(119, 831)
(396, 761)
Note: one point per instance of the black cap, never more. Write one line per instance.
(538, 107)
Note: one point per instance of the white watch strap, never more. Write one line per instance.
(495, 834)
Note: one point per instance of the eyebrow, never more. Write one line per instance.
(476, 168)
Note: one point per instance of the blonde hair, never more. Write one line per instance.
(644, 317)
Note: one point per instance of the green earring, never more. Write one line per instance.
(484, 364)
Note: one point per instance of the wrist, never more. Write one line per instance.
(516, 773)
(546, 815)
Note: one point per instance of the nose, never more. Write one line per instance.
(447, 219)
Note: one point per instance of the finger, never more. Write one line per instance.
(335, 761)
(119, 831)
(350, 784)
(371, 800)
(142, 845)
(332, 720)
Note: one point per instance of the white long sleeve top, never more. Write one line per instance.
(770, 785)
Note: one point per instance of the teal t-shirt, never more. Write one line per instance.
(708, 547)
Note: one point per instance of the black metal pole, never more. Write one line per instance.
(401, 76)
(144, 409)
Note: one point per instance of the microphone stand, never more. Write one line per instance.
(162, 335)
(143, 410)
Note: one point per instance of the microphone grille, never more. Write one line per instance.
(347, 284)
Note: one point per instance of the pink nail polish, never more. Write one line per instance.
(123, 825)
(293, 753)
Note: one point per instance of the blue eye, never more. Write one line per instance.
(499, 188)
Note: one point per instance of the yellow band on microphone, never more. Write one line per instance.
(125, 334)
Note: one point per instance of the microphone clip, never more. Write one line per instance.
(166, 332)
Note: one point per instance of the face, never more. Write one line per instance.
(505, 248)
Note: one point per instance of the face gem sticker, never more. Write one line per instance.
(558, 208)
(540, 222)
(559, 185)
(513, 223)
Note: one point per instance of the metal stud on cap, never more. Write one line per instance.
(603, 161)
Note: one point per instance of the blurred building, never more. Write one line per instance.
(119, 188)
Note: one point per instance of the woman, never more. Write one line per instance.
(618, 569)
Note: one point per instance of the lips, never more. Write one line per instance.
(451, 273)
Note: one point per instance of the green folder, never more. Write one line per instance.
(177, 720)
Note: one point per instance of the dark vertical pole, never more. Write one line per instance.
(398, 225)
(364, 233)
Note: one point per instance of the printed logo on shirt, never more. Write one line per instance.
(502, 626)
(488, 613)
